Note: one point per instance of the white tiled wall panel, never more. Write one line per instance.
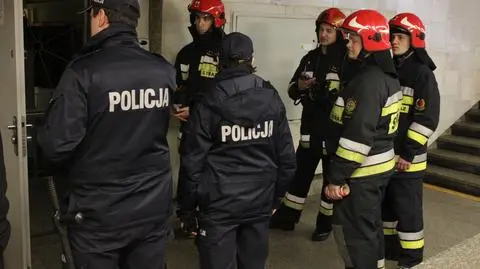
(453, 38)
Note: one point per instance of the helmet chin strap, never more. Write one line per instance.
(363, 55)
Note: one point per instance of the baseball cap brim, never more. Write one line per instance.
(85, 10)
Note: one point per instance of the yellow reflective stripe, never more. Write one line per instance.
(292, 204)
(407, 100)
(390, 231)
(305, 144)
(374, 169)
(417, 137)
(393, 108)
(417, 244)
(326, 212)
(416, 167)
(404, 108)
(337, 113)
(350, 155)
(334, 85)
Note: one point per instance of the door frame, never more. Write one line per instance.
(17, 255)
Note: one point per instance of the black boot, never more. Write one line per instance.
(285, 218)
(318, 236)
(323, 228)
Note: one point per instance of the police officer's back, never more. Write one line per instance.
(239, 162)
(107, 126)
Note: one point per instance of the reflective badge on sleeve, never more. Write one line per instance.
(420, 105)
(350, 106)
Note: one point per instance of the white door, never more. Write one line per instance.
(12, 105)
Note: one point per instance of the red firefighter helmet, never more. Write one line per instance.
(212, 7)
(332, 16)
(410, 23)
(371, 26)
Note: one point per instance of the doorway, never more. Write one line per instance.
(53, 33)
(39, 39)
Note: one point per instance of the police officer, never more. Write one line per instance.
(107, 126)
(239, 159)
(364, 122)
(402, 209)
(315, 85)
(4, 207)
(197, 63)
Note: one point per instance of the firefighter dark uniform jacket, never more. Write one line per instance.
(364, 121)
(107, 124)
(318, 101)
(419, 112)
(240, 155)
(197, 64)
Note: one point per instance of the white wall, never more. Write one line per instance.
(452, 39)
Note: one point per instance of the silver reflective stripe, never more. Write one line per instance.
(421, 129)
(293, 198)
(420, 158)
(379, 158)
(305, 138)
(340, 102)
(342, 245)
(326, 205)
(184, 67)
(408, 91)
(332, 76)
(291, 84)
(390, 224)
(393, 99)
(381, 263)
(354, 146)
(411, 236)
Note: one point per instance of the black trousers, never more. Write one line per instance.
(5, 231)
(134, 248)
(181, 172)
(233, 246)
(403, 219)
(357, 223)
(294, 201)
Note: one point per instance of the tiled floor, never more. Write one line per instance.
(449, 221)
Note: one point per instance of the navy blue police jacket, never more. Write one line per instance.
(240, 156)
(107, 128)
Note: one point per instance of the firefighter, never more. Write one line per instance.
(239, 159)
(4, 207)
(107, 126)
(197, 63)
(402, 209)
(315, 85)
(364, 122)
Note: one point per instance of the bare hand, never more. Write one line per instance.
(182, 113)
(305, 84)
(334, 192)
(403, 165)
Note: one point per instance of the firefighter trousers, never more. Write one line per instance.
(403, 219)
(141, 247)
(233, 246)
(357, 223)
(291, 208)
